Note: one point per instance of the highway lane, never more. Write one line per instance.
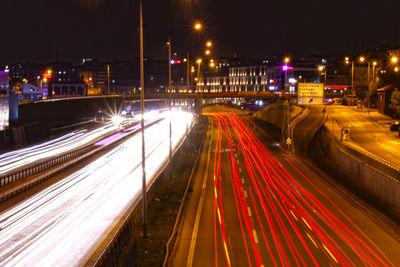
(367, 133)
(17, 159)
(263, 207)
(61, 225)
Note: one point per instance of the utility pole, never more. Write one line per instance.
(144, 202)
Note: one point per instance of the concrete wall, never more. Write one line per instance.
(275, 113)
(371, 183)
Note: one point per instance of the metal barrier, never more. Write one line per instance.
(378, 163)
(38, 168)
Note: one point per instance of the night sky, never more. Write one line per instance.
(108, 29)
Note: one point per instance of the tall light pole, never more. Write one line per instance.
(144, 202)
(286, 69)
(108, 79)
(347, 60)
(170, 106)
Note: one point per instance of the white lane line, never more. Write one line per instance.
(199, 208)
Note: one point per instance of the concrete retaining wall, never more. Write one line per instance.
(374, 185)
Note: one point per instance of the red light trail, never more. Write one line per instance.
(296, 227)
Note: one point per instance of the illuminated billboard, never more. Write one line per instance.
(310, 93)
(4, 102)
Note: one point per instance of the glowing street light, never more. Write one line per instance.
(207, 52)
(396, 69)
(394, 59)
(209, 44)
(362, 59)
(286, 60)
(198, 26)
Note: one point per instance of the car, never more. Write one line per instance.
(394, 126)
(99, 116)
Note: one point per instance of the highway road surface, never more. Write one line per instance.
(253, 204)
(367, 133)
(63, 224)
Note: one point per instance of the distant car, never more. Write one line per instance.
(394, 126)
(99, 116)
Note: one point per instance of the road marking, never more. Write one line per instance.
(215, 191)
(333, 257)
(249, 211)
(294, 215)
(255, 236)
(242, 181)
(312, 240)
(245, 194)
(307, 224)
(219, 216)
(240, 169)
(199, 208)
(227, 254)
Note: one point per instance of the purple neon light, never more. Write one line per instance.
(285, 67)
(110, 139)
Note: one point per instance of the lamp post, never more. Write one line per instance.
(108, 79)
(144, 202)
(170, 107)
(347, 59)
(362, 60)
(286, 69)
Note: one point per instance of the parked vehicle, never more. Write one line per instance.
(394, 126)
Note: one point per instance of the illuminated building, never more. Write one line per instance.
(4, 95)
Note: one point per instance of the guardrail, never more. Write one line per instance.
(386, 167)
(376, 162)
(58, 164)
(38, 168)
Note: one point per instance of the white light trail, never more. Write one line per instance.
(62, 224)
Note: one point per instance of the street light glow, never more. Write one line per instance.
(287, 59)
(395, 59)
(209, 44)
(362, 59)
(207, 52)
(197, 26)
(199, 61)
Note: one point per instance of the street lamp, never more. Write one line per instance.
(144, 202)
(197, 26)
(209, 44)
(362, 60)
(352, 77)
(207, 52)
(198, 61)
(322, 71)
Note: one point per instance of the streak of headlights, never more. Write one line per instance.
(62, 224)
(19, 158)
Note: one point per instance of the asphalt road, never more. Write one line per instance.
(255, 205)
(368, 133)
